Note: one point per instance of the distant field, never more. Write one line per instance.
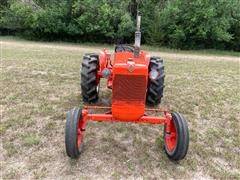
(40, 83)
(209, 52)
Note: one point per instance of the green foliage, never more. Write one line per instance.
(125, 27)
(183, 24)
(48, 21)
(22, 13)
(31, 139)
(195, 24)
(91, 19)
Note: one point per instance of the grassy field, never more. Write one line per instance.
(40, 83)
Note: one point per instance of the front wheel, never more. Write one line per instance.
(176, 137)
(74, 133)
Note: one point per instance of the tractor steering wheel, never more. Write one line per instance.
(124, 48)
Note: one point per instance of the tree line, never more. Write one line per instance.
(183, 24)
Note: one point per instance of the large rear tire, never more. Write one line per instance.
(155, 87)
(89, 81)
(177, 139)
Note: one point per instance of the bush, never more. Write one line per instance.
(188, 24)
(183, 24)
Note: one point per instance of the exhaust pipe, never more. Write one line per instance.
(137, 38)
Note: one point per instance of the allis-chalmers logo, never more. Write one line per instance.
(131, 68)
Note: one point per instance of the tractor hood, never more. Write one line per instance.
(130, 79)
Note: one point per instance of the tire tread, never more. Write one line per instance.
(155, 87)
(183, 138)
(88, 74)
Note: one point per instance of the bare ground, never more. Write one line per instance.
(40, 83)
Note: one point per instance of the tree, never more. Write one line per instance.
(194, 24)
(184, 24)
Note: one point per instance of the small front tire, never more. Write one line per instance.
(177, 139)
(74, 133)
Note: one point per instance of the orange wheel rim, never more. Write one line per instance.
(79, 134)
(171, 137)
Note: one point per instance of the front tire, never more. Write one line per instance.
(74, 133)
(89, 78)
(177, 139)
(155, 87)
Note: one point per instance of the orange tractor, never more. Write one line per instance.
(136, 79)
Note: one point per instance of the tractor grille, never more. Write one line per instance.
(129, 88)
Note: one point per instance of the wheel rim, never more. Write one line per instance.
(171, 137)
(79, 135)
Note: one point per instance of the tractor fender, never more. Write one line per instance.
(103, 59)
(147, 59)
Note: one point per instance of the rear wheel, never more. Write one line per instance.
(155, 87)
(176, 138)
(74, 133)
(89, 79)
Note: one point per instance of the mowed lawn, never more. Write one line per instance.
(40, 83)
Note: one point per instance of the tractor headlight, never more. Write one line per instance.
(153, 74)
(106, 73)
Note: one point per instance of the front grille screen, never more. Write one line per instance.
(129, 88)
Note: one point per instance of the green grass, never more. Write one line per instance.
(40, 83)
(144, 47)
(197, 52)
(31, 139)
